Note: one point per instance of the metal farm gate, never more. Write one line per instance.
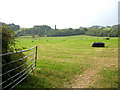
(23, 69)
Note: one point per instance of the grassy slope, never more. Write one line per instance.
(61, 58)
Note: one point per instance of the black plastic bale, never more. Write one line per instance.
(107, 38)
(98, 44)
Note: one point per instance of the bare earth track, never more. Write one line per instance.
(88, 78)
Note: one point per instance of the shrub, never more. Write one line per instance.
(8, 45)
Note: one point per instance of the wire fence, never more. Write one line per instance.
(14, 74)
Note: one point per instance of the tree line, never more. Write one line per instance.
(45, 30)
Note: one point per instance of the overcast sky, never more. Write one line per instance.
(63, 13)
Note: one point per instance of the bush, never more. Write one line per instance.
(8, 45)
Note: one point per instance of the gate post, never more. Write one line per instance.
(36, 56)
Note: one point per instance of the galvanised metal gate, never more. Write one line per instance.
(29, 65)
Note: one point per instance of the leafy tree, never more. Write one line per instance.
(116, 27)
(8, 41)
(41, 30)
(14, 27)
(113, 33)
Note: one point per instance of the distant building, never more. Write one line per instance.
(55, 27)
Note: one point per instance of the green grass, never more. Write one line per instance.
(108, 78)
(60, 59)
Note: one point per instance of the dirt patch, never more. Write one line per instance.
(89, 77)
(85, 80)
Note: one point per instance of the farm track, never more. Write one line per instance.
(89, 77)
(85, 80)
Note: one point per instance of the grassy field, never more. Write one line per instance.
(68, 62)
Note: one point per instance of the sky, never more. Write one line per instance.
(62, 13)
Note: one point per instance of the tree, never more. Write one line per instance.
(113, 33)
(8, 41)
(14, 27)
